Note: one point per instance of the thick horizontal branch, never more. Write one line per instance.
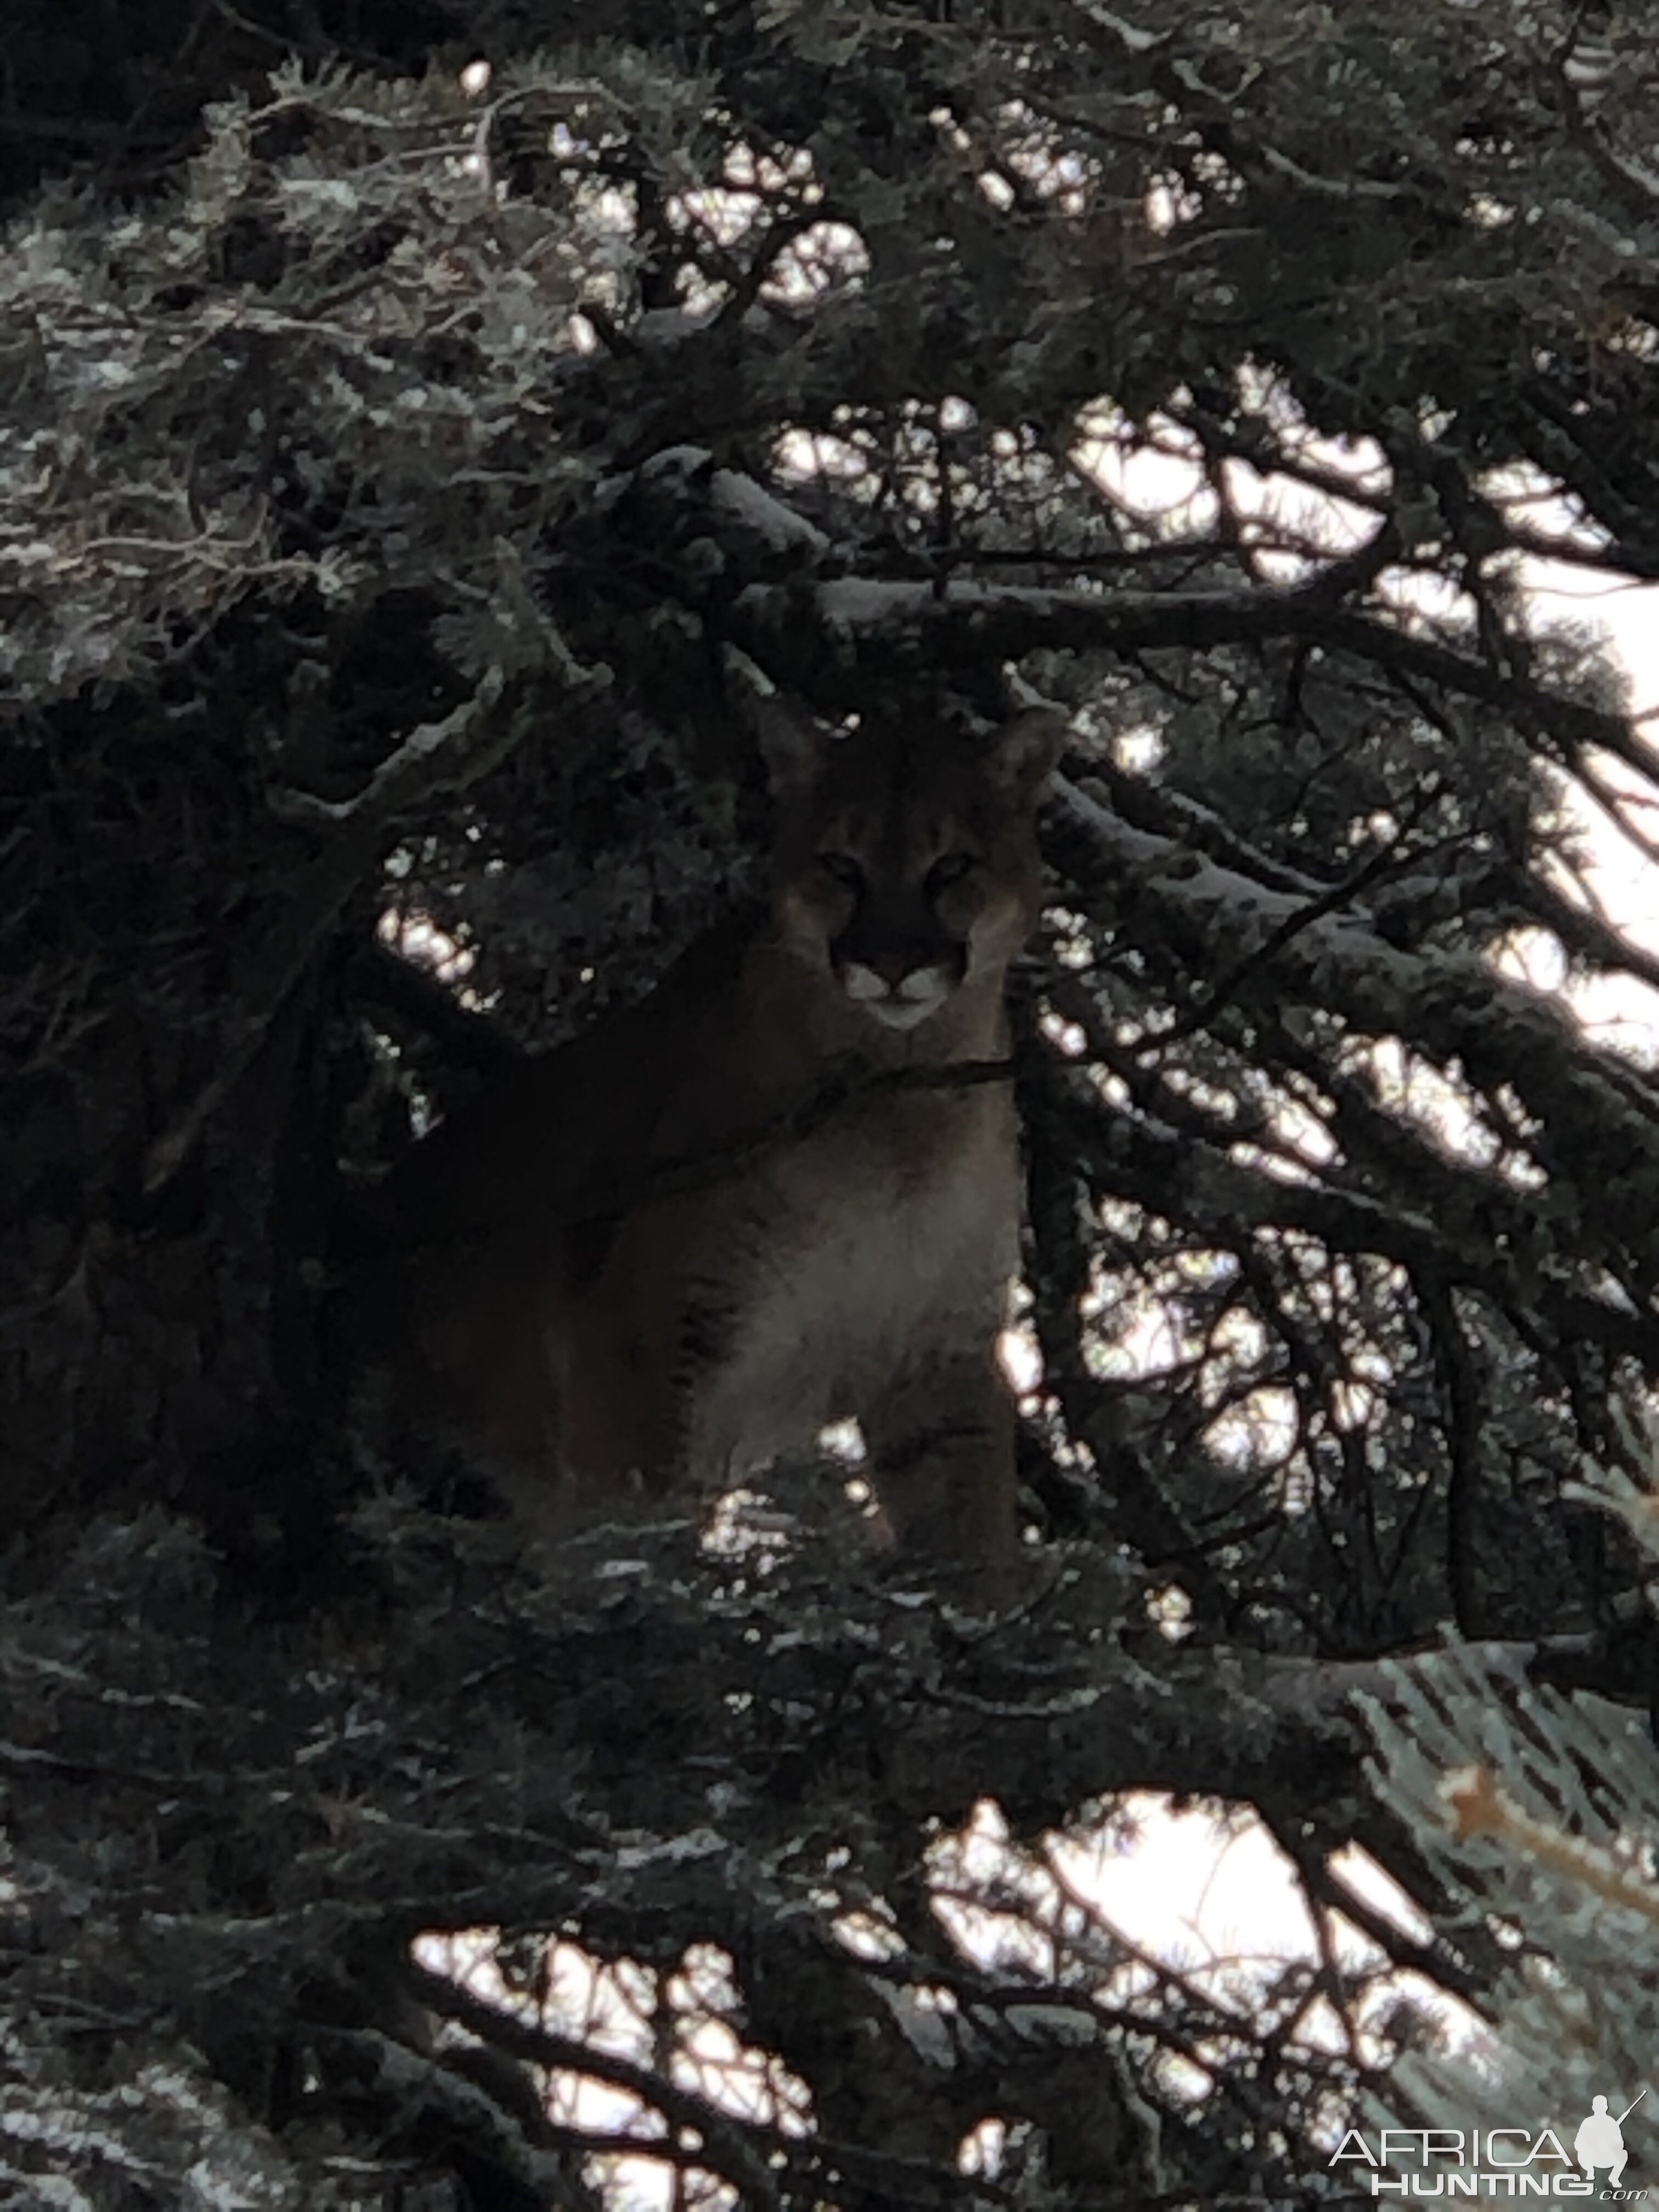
(964, 619)
(963, 622)
(1598, 1118)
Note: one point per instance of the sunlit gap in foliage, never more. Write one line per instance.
(1320, 500)
(680, 2022)
(724, 212)
(1188, 1927)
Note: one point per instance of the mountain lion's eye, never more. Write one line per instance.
(844, 868)
(949, 868)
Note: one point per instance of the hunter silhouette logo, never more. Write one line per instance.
(1600, 2142)
(1492, 2162)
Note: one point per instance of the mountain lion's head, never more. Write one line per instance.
(905, 864)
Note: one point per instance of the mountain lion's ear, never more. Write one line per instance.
(791, 742)
(1024, 753)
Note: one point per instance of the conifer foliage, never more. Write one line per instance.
(406, 414)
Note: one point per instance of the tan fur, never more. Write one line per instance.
(661, 1256)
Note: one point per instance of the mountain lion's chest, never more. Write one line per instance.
(841, 1266)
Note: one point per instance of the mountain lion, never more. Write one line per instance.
(777, 1193)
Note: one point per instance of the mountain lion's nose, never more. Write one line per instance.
(894, 967)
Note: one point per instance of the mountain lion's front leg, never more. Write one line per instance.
(940, 1436)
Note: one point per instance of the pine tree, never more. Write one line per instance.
(406, 418)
